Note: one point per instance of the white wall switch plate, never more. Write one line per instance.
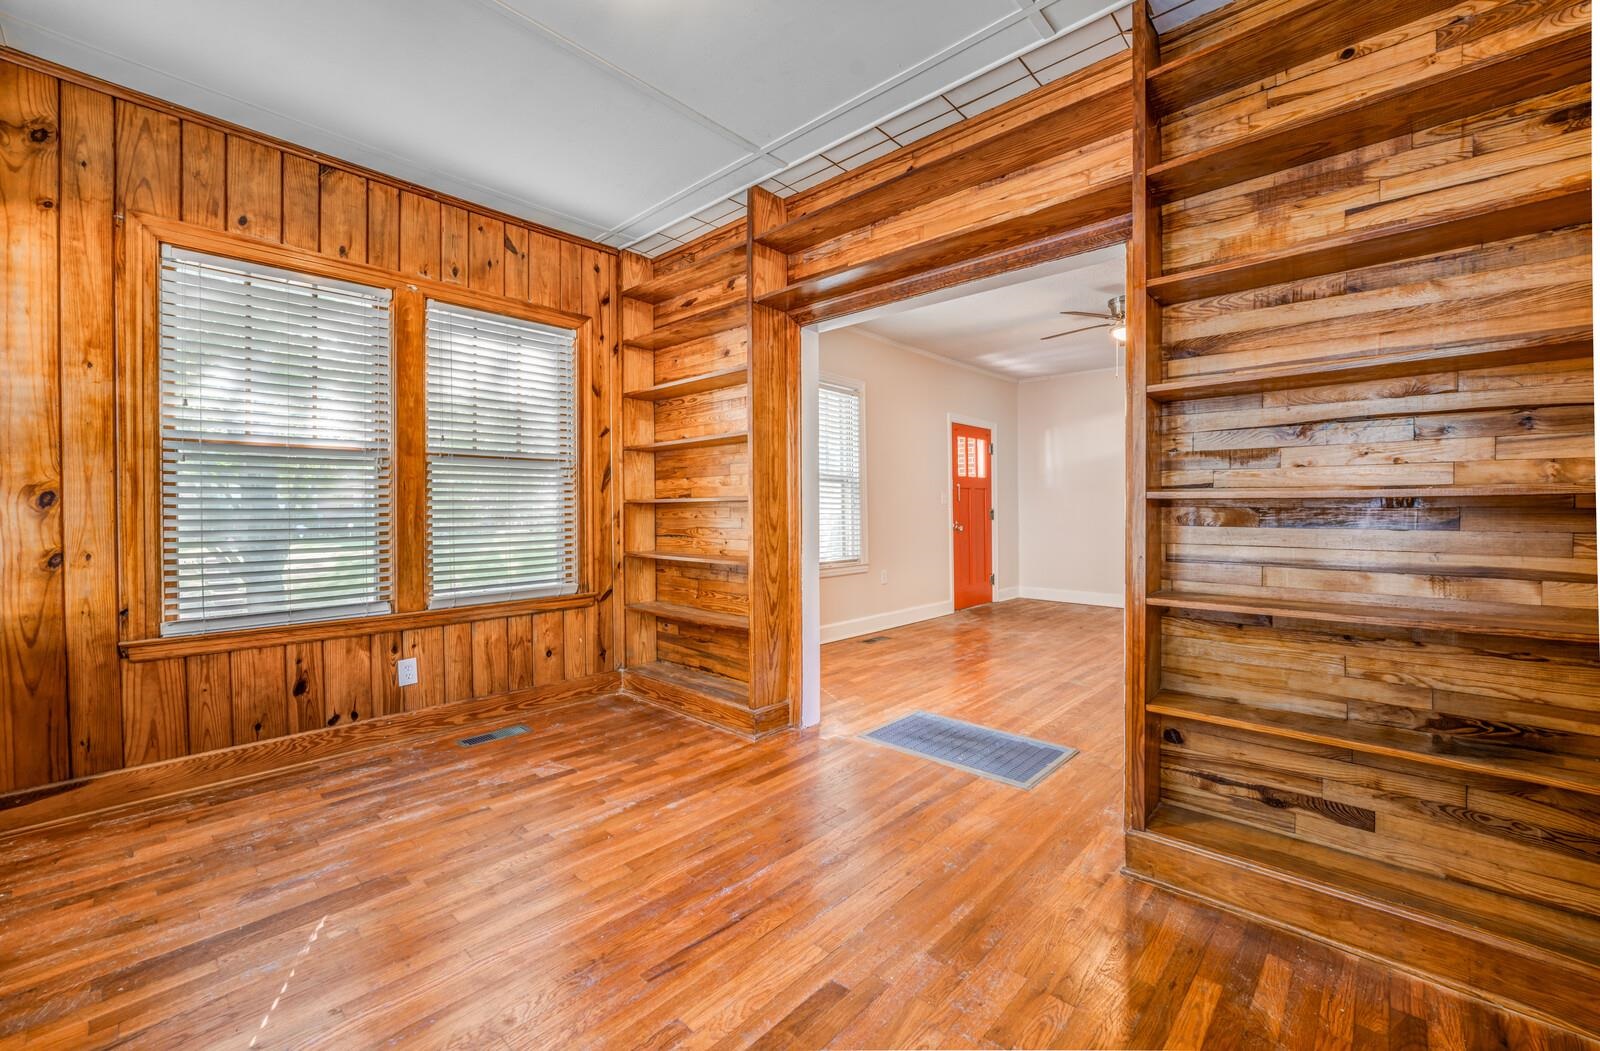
(407, 671)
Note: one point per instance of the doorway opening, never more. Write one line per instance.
(963, 451)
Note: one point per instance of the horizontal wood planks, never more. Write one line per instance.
(69, 705)
(1372, 435)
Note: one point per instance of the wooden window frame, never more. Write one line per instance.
(138, 432)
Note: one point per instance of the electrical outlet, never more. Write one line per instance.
(407, 671)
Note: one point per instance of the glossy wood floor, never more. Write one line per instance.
(621, 878)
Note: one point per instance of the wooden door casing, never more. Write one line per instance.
(971, 515)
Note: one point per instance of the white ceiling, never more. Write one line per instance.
(997, 325)
(612, 119)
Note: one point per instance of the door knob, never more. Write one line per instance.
(958, 527)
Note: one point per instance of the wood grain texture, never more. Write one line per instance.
(1373, 696)
(883, 901)
(88, 427)
(33, 643)
(77, 578)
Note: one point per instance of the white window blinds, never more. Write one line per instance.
(502, 457)
(275, 445)
(839, 473)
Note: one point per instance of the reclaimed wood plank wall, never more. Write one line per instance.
(77, 155)
(1364, 393)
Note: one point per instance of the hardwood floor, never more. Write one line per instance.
(619, 877)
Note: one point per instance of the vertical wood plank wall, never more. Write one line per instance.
(1363, 667)
(79, 154)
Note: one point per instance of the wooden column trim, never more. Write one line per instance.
(774, 472)
(1143, 369)
(410, 524)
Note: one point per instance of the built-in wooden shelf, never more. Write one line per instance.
(707, 684)
(1551, 345)
(1381, 243)
(1555, 623)
(1576, 773)
(708, 381)
(1045, 137)
(1108, 201)
(1366, 492)
(1543, 66)
(691, 615)
(672, 501)
(1244, 57)
(1413, 894)
(722, 265)
(705, 441)
(693, 327)
(691, 558)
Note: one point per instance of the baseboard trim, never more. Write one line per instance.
(1082, 598)
(1476, 963)
(45, 805)
(849, 629)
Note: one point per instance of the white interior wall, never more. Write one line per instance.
(909, 398)
(1059, 479)
(1071, 477)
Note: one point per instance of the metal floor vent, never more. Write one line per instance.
(493, 735)
(1019, 761)
(875, 638)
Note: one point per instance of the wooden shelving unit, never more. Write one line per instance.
(1381, 243)
(721, 379)
(687, 469)
(1577, 773)
(692, 558)
(1401, 892)
(704, 441)
(1233, 59)
(1539, 622)
(1215, 494)
(669, 501)
(692, 273)
(1553, 345)
(1296, 750)
(687, 329)
(692, 615)
(1542, 65)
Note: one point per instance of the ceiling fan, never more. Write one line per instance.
(1115, 319)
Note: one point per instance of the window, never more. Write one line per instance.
(839, 442)
(502, 457)
(276, 445)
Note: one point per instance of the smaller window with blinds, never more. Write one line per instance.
(276, 445)
(841, 521)
(502, 457)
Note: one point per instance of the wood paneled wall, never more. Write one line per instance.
(1363, 627)
(81, 155)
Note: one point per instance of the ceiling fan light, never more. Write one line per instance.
(1119, 332)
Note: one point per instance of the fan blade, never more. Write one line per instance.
(1085, 313)
(1074, 331)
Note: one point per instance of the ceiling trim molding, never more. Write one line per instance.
(673, 208)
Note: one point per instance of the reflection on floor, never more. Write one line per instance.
(620, 877)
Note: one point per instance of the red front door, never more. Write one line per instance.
(971, 514)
